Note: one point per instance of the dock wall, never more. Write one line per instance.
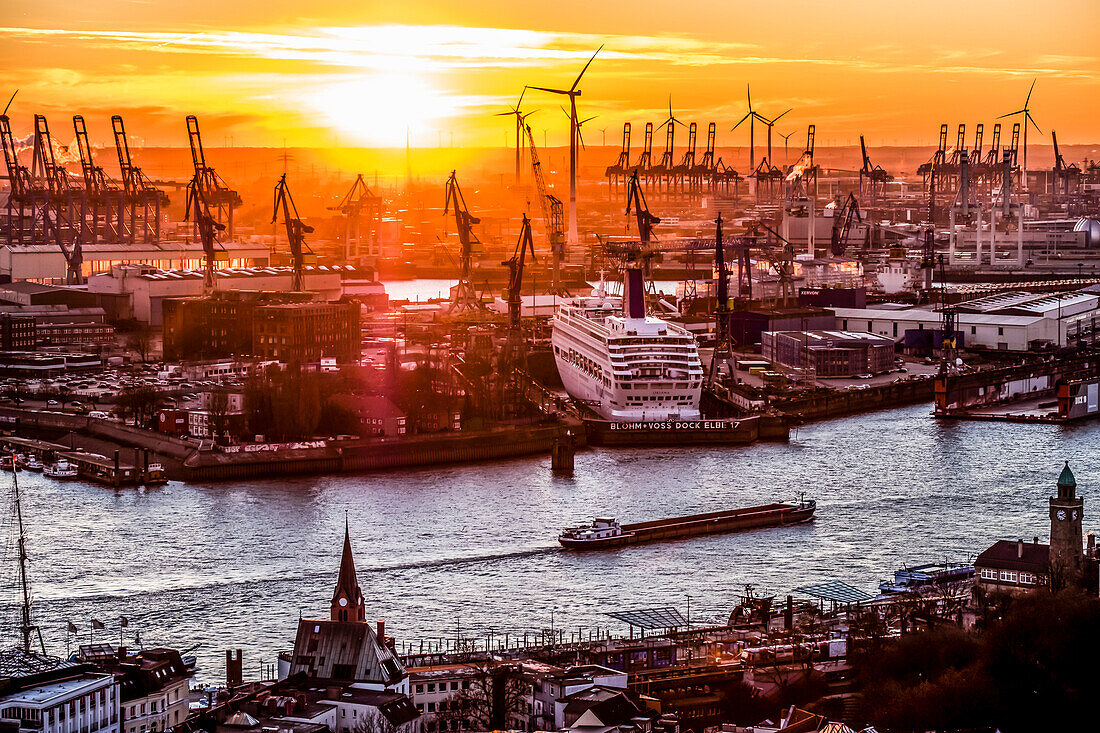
(838, 403)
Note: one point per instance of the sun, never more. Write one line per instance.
(380, 109)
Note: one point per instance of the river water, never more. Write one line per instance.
(233, 564)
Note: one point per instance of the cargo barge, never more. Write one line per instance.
(605, 532)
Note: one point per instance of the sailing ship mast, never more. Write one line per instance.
(27, 627)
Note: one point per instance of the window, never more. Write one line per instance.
(973, 330)
(1000, 331)
(454, 685)
(420, 688)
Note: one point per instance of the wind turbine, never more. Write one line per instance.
(520, 117)
(580, 124)
(785, 139)
(752, 116)
(574, 133)
(1027, 118)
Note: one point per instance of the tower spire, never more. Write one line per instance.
(347, 599)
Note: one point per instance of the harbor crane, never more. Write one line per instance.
(552, 213)
(616, 172)
(140, 192)
(843, 219)
(208, 228)
(464, 297)
(295, 231)
(20, 185)
(875, 176)
(215, 191)
(1068, 175)
(101, 194)
(59, 201)
(357, 202)
(515, 279)
(721, 361)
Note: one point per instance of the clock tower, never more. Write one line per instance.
(1066, 511)
(347, 599)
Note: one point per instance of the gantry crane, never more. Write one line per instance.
(295, 231)
(514, 344)
(464, 297)
(616, 172)
(357, 202)
(101, 194)
(21, 200)
(208, 228)
(722, 359)
(57, 213)
(141, 195)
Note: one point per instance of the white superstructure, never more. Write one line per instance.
(623, 364)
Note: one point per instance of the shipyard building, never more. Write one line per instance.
(280, 326)
(830, 353)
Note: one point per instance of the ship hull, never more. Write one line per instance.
(736, 520)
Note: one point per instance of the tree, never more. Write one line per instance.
(495, 692)
(373, 721)
(140, 340)
(139, 403)
(219, 413)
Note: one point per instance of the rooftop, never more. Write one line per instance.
(1016, 555)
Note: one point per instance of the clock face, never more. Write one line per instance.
(1061, 518)
(1076, 514)
(343, 601)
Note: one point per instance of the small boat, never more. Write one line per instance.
(605, 532)
(155, 475)
(9, 464)
(920, 578)
(61, 470)
(33, 464)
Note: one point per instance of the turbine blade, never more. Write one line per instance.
(1032, 121)
(777, 118)
(748, 94)
(552, 91)
(742, 120)
(524, 91)
(1029, 91)
(578, 81)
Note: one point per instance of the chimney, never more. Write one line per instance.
(1036, 540)
(633, 294)
(1091, 538)
(382, 632)
(1019, 548)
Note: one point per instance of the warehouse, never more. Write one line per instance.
(830, 353)
(1014, 321)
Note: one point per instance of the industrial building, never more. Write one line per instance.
(830, 353)
(281, 326)
(1011, 321)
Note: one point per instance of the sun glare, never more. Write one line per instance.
(381, 109)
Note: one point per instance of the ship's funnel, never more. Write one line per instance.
(633, 294)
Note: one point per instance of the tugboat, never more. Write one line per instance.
(155, 475)
(605, 532)
(61, 470)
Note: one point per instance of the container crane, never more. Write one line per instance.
(722, 359)
(99, 191)
(59, 194)
(514, 344)
(139, 190)
(295, 231)
(464, 296)
(552, 212)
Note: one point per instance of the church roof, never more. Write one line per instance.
(1067, 478)
(344, 651)
(347, 581)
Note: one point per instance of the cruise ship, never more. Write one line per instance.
(625, 365)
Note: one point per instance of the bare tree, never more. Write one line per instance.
(373, 721)
(496, 691)
(140, 340)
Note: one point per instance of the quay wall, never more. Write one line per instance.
(837, 403)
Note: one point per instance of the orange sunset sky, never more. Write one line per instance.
(320, 72)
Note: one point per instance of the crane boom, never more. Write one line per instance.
(553, 214)
(295, 231)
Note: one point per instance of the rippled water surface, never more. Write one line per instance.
(233, 564)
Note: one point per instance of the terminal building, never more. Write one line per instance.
(830, 353)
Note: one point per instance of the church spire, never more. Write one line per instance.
(347, 599)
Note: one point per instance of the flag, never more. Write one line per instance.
(72, 627)
(97, 624)
(123, 621)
